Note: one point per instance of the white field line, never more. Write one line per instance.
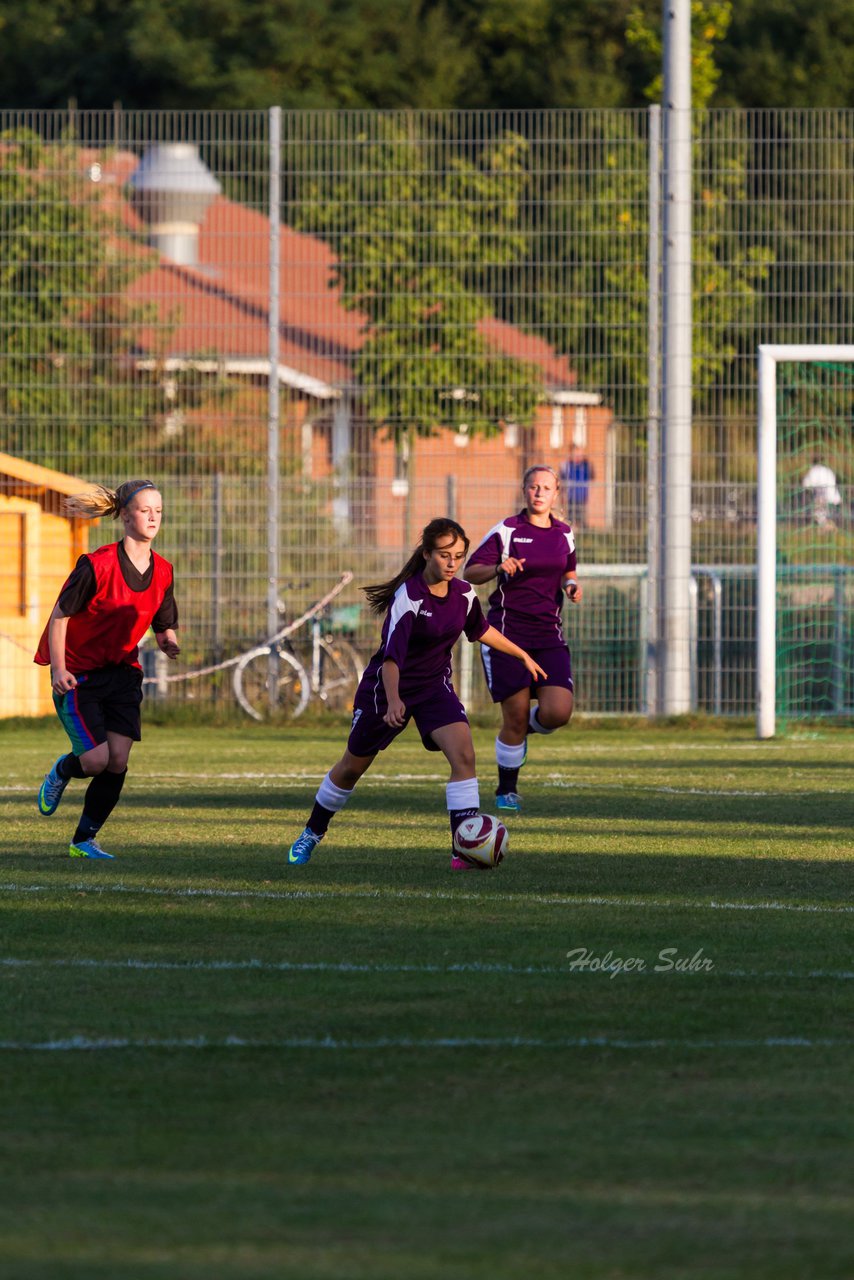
(544, 899)
(782, 746)
(554, 780)
(144, 783)
(347, 967)
(88, 1044)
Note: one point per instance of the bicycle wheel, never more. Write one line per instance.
(251, 683)
(340, 672)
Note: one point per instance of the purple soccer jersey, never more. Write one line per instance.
(527, 607)
(419, 632)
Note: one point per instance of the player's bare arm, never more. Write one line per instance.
(572, 589)
(61, 679)
(493, 639)
(396, 713)
(167, 642)
(478, 574)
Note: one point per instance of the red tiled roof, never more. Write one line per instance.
(511, 341)
(199, 316)
(220, 306)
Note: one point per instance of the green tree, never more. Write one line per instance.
(414, 224)
(547, 54)
(800, 199)
(227, 54)
(588, 294)
(64, 324)
(710, 20)
(543, 54)
(783, 53)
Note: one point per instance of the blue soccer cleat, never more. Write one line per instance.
(510, 802)
(50, 791)
(88, 849)
(302, 848)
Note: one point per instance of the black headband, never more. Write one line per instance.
(147, 485)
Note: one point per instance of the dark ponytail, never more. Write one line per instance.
(381, 595)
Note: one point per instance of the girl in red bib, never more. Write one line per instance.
(111, 598)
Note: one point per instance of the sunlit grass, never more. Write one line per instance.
(369, 1067)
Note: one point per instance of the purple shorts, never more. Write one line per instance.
(506, 676)
(369, 733)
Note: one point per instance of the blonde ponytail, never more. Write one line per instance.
(89, 506)
(101, 501)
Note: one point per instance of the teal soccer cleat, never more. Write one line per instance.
(302, 848)
(88, 849)
(50, 791)
(510, 802)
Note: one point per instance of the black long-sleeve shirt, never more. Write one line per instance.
(80, 588)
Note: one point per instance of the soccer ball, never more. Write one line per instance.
(482, 839)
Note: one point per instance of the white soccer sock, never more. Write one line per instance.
(534, 722)
(462, 795)
(507, 757)
(332, 797)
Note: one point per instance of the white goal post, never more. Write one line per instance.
(770, 356)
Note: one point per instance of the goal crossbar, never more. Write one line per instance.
(770, 356)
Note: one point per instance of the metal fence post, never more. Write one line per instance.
(216, 579)
(675, 641)
(838, 671)
(227, 344)
(451, 496)
(693, 639)
(273, 414)
(652, 684)
(717, 642)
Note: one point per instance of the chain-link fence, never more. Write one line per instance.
(394, 314)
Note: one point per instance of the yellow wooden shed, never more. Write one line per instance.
(39, 546)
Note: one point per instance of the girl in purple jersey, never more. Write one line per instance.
(532, 556)
(426, 609)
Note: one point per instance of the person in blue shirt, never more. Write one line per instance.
(575, 476)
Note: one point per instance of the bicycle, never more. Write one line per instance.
(331, 675)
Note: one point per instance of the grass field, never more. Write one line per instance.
(218, 1066)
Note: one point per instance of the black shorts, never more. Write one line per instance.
(105, 700)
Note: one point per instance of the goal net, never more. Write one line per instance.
(805, 556)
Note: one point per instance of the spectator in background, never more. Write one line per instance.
(575, 476)
(820, 487)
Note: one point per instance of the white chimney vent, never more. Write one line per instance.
(171, 191)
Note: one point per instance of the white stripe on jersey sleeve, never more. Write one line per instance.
(570, 539)
(470, 595)
(505, 533)
(401, 605)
